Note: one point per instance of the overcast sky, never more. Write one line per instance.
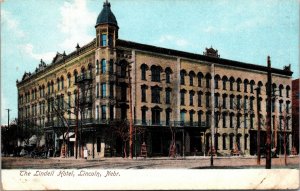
(246, 31)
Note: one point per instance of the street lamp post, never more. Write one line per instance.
(268, 129)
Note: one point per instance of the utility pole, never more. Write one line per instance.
(258, 127)
(268, 142)
(8, 110)
(212, 140)
(77, 123)
(130, 115)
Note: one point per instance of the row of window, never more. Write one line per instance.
(233, 103)
(156, 77)
(235, 120)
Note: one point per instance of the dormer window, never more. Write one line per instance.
(103, 40)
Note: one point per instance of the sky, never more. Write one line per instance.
(246, 31)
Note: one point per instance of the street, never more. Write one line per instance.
(148, 163)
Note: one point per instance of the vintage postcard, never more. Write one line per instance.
(137, 94)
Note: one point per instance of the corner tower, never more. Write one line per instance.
(106, 27)
(105, 58)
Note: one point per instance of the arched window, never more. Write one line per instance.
(287, 91)
(231, 79)
(69, 79)
(90, 68)
(168, 74)
(144, 68)
(252, 83)
(103, 66)
(224, 80)
(182, 74)
(191, 75)
(58, 84)
(245, 85)
(238, 84)
(208, 78)
(155, 73)
(224, 137)
(280, 90)
(200, 76)
(75, 76)
(156, 115)
(217, 78)
(62, 82)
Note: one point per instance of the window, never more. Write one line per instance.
(216, 119)
(245, 86)
(199, 99)
(245, 121)
(200, 118)
(288, 107)
(238, 120)
(69, 81)
(191, 118)
(217, 77)
(62, 83)
(231, 84)
(111, 66)
(192, 98)
(224, 120)
(103, 112)
(224, 83)
(288, 91)
(168, 111)
(259, 104)
(110, 40)
(98, 144)
(156, 116)
(251, 121)
(216, 100)
(155, 94)
(103, 66)
(224, 101)
(207, 99)
(143, 74)
(143, 88)
(103, 90)
(200, 76)
(245, 103)
(208, 77)
(251, 86)
(231, 141)
(155, 73)
(207, 119)
(231, 120)
(182, 94)
(251, 103)
(231, 101)
(191, 75)
(288, 123)
(111, 90)
(273, 105)
(111, 112)
(238, 85)
(182, 74)
(168, 75)
(280, 90)
(224, 141)
(168, 96)
(144, 115)
(103, 40)
(75, 76)
(273, 89)
(280, 106)
(182, 116)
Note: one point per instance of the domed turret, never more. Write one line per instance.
(106, 16)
